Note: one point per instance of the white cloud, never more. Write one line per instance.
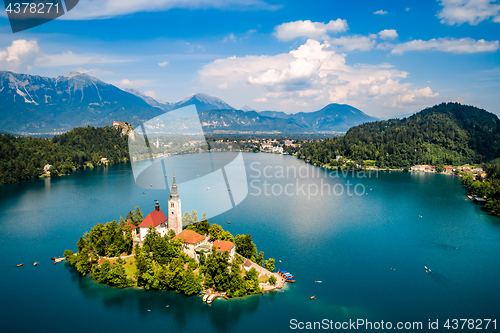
(150, 93)
(380, 12)
(229, 38)
(69, 58)
(351, 43)
(314, 74)
(133, 84)
(94, 71)
(102, 9)
(470, 11)
(462, 45)
(223, 85)
(163, 64)
(316, 30)
(20, 55)
(388, 34)
(24, 55)
(407, 9)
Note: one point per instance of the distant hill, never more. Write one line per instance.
(446, 134)
(203, 103)
(333, 117)
(41, 105)
(250, 121)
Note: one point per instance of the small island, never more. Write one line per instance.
(157, 253)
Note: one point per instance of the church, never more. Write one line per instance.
(193, 243)
(157, 219)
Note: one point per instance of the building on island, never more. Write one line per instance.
(159, 221)
(223, 246)
(192, 240)
(174, 210)
(155, 219)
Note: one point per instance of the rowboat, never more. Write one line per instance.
(210, 298)
(313, 297)
(20, 265)
(205, 297)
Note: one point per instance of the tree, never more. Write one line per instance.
(269, 264)
(252, 281)
(194, 217)
(145, 274)
(493, 205)
(216, 270)
(272, 280)
(237, 286)
(260, 259)
(245, 246)
(171, 233)
(186, 219)
(202, 257)
(151, 238)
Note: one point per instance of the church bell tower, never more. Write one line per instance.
(174, 210)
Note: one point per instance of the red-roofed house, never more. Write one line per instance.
(223, 246)
(247, 265)
(191, 239)
(155, 219)
(133, 227)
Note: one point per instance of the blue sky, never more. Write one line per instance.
(385, 57)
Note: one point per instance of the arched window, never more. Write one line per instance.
(172, 204)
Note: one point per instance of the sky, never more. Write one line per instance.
(387, 58)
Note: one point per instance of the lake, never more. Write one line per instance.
(369, 251)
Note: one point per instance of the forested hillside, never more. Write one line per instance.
(446, 134)
(23, 158)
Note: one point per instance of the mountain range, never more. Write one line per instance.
(36, 104)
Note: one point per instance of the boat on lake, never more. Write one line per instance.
(205, 297)
(211, 298)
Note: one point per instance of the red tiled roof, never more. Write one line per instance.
(101, 261)
(131, 226)
(222, 246)
(154, 219)
(190, 236)
(248, 263)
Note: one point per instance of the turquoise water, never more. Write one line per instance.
(369, 251)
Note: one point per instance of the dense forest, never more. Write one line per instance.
(160, 264)
(446, 134)
(24, 158)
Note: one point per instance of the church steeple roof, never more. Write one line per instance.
(173, 191)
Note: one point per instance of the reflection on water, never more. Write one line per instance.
(223, 314)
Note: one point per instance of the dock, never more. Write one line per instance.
(56, 260)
